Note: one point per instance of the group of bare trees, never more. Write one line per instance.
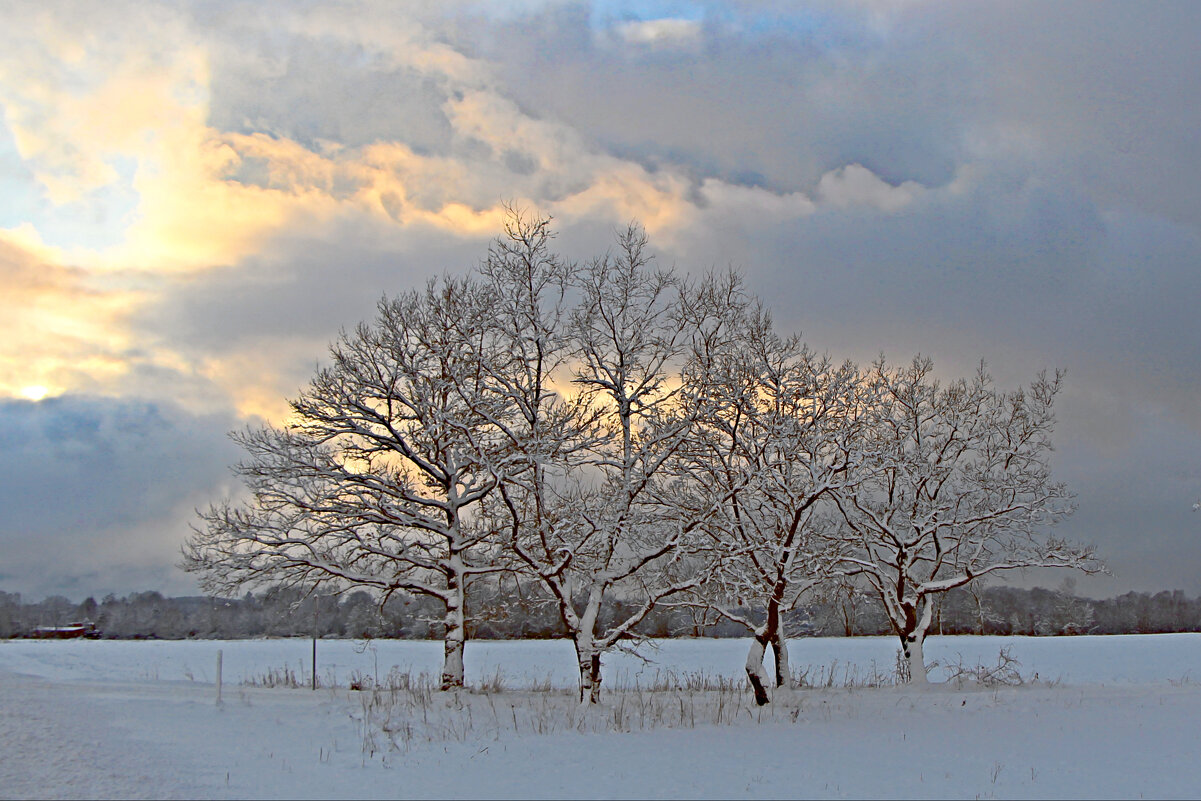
(611, 429)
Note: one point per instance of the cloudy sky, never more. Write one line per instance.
(196, 196)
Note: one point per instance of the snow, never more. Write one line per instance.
(521, 663)
(1109, 717)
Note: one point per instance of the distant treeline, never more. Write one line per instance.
(516, 611)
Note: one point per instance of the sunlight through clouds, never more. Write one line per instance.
(195, 196)
(85, 91)
(94, 103)
(59, 329)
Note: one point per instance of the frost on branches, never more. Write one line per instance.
(955, 484)
(776, 437)
(630, 438)
(586, 516)
(373, 482)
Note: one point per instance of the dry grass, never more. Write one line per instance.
(403, 709)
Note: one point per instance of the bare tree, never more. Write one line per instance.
(772, 437)
(375, 481)
(955, 484)
(843, 600)
(551, 434)
(587, 516)
(1069, 614)
(984, 613)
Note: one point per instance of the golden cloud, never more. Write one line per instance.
(260, 377)
(97, 101)
(92, 100)
(80, 94)
(58, 330)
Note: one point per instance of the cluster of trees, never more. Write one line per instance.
(1041, 612)
(276, 612)
(627, 437)
(512, 610)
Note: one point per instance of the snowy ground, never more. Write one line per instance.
(1108, 717)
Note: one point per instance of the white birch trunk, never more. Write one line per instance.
(588, 660)
(456, 634)
(587, 655)
(913, 641)
(911, 646)
(755, 671)
(779, 647)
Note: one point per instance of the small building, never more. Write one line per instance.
(71, 631)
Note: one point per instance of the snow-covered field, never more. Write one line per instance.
(1106, 717)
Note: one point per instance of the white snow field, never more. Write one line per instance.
(1107, 717)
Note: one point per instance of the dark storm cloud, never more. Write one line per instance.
(1100, 97)
(1028, 197)
(97, 493)
(1134, 470)
(762, 101)
(300, 287)
(1053, 223)
(310, 89)
(1107, 90)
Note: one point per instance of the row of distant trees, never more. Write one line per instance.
(626, 438)
(512, 612)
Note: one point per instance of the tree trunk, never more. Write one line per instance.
(455, 637)
(771, 632)
(755, 671)
(912, 629)
(589, 662)
(779, 647)
(978, 597)
(911, 647)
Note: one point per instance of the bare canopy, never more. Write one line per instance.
(626, 438)
(373, 481)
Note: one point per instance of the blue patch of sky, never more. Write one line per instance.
(605, 13)
(828, 26)
(820, 26)
(100, 217)
(18, 189)
(97, 220)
